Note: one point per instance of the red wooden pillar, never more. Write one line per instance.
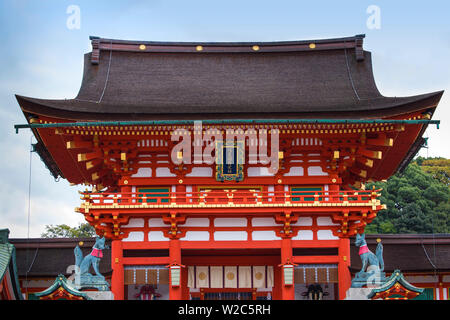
(287, 292)
(276, 290)
(175, 293)
(279, 193)
(117, 279)
(334, 189)
(181, 193)
(184, 283)
(344, 276)
(126, 190)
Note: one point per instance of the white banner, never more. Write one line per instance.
(230, 277)
(202, 277)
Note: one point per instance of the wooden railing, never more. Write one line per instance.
(230, 196)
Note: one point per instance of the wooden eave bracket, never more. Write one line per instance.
(286, 218)
(173, 219)
(359, 47)
(95, 55)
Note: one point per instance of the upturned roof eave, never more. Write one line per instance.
(66, 109)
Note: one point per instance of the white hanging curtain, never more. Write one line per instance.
(269, 276)
(191, 277)
(259, 276)
(216, 274)
(202, 277)
(245, 277)
(230, 276)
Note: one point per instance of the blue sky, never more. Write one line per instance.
(42, 57)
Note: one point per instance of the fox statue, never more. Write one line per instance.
(372, 264)
(92, 259)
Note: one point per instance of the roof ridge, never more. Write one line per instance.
(229, 43)
(101, 44)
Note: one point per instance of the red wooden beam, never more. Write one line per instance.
(315, 259)
(146, 261)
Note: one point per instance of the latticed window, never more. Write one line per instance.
(154, 195)
(306, 191)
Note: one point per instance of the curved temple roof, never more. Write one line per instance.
(315, 79)
(329, 78)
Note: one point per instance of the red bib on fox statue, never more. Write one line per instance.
(97, 253)
(363, 249)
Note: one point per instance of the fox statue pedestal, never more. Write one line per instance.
(89, 281)
(372, 278)
(359, 294)
(100, 295)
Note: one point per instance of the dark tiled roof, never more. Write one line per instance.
(47, 257)
(408, 253)
(228, 80)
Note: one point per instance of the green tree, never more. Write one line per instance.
(439, 168)
(417, 202)
(84, 230)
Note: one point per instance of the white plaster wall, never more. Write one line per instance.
(230, 235)
(230, 222)
(134, 236)
(196, 222)
(303, 221)
(196, 236)
(143, 173)
(295, 171)
(200, 172)
(264, 235)
(135, 223)
(259, 172)
(326, 235)
(156, 222)
(264, 222)
(164, 172)
(304, 235)
(316, 171)
(325, 221)
(156, 236)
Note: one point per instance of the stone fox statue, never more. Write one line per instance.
(373, 262)
(91, 259)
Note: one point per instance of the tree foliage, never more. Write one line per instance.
(84, 230)
(418, 201)
(439, 168)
